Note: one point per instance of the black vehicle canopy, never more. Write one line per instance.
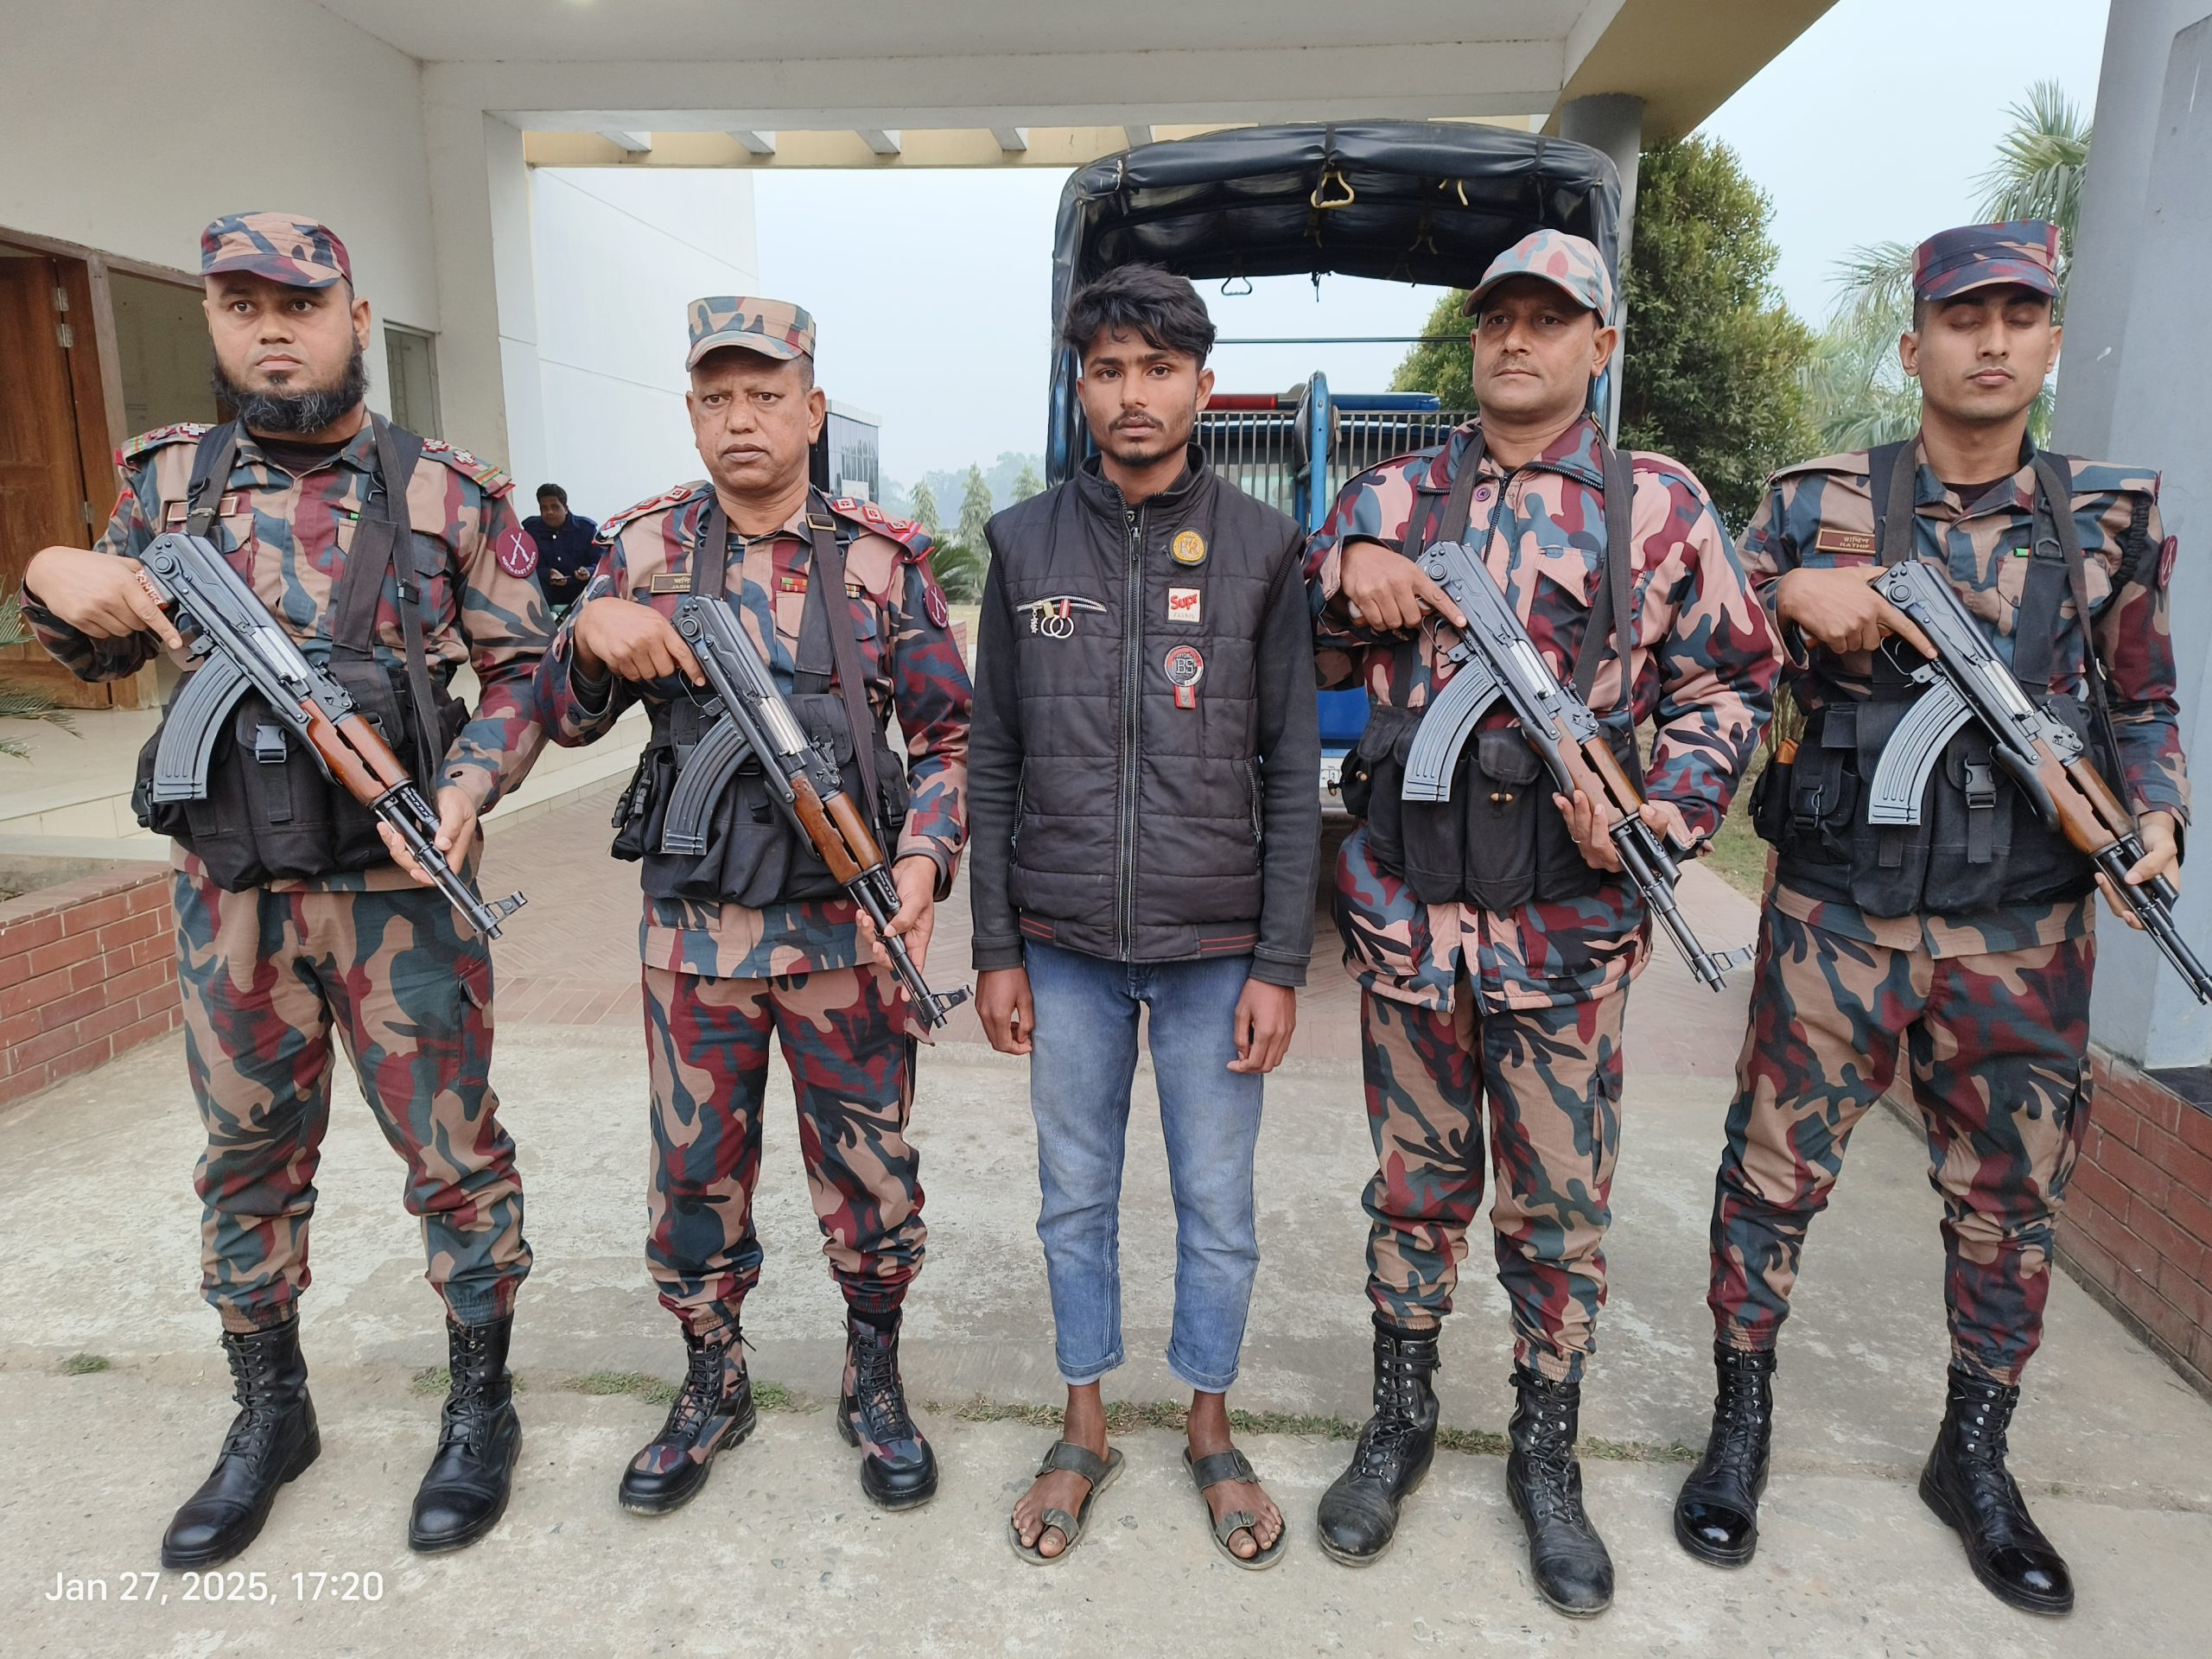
(1409, 202)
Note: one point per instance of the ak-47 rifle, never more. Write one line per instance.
(1966, 681)
(243, 648)
(756, 721)
(1495, 657)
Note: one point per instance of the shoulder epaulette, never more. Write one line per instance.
(615, 523)
(181, 432)
(873, 518)
(1851, 462)
(2113, 478)
(494, 481)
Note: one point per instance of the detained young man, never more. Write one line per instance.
(1146, 819)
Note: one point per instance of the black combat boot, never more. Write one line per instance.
(1566, 1556)
(713, 1411)
(465, 1492)
(1966, 1485)
(1716, 1515)
(898, 1470)
(1358, 1516)
(272, 1438)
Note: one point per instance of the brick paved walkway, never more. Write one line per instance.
(571, 956)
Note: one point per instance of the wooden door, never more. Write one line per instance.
(42, 473)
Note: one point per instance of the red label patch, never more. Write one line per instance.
(516, 553)
(2166, 560)
(934, 602)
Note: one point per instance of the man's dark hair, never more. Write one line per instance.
(555, 490)
(1143, 300)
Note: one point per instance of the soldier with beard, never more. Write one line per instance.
(394, 560)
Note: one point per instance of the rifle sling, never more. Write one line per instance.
(826, 579)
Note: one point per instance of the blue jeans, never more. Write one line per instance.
(1079, 1075)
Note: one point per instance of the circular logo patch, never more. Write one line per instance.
(518, 554)
(1189, 548)
(1184, 667)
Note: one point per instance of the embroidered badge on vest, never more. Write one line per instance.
(1184, 668)
(1188, 547)
(1185, 604)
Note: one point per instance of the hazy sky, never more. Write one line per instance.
(931, 289)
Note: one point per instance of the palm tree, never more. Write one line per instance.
(1855, 390)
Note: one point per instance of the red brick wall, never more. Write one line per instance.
(2137, 1228)
(87, 969)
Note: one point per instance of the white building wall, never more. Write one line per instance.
(128, 124)
(616, 256)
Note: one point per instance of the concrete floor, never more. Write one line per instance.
(781, 1555)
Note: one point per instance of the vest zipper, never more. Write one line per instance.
(1125, 878)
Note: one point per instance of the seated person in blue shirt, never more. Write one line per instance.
(565, 555)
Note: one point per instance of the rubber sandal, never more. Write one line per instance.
(1212, 1470)
(1077, 1460)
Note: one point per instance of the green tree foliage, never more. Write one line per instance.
(1857, 394)
(1444, 367)
(1714, 357)
(925, 512)
(960, 570)
(17, 702)
(1027, 482)
(975, 509)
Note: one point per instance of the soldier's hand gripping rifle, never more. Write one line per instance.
(1495, 657)
(805, 782)
(1964, 681)
(244, 649)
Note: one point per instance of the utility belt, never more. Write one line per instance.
(754, 856)
(1979, 844)
(1498, 842)
(270, 813)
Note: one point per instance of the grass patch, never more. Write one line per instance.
(1738, 856)
(84, 1365)
(1126, 1416)
(436, 1380)
(655, 1391)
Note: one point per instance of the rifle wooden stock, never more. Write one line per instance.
(1620, 792)
(374, 752)
(859, 841)
(827, 840)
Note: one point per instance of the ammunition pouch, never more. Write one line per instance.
(1498, 842)
(1979, 844)
(270, 812)
(754, 856)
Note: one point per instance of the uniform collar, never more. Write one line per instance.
(1576, 453)
(359, 453)
(1931, 490)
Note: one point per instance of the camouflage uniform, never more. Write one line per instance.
(1524, 1007)
(1990, 1009)
(719, 978)
(269, 972)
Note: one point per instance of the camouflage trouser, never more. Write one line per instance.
(852, 1063)
(1996, 1047)
(1551, 1078)
(266, 977)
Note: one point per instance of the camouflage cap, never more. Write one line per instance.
(2022, 252)
(1570, 263)
(285, 248)
(774, 328)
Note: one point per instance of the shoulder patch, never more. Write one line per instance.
(2168, 551)
(181, 432)
(483, 472)
(614, 524)
(870, 516)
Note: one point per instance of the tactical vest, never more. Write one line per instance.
(1498, 842)
(754, 856)
(1979, 844)
(270, 811)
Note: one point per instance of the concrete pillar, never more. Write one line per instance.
(488, 376)
(2160, 361)
(2139, 35)
(1612, 121)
